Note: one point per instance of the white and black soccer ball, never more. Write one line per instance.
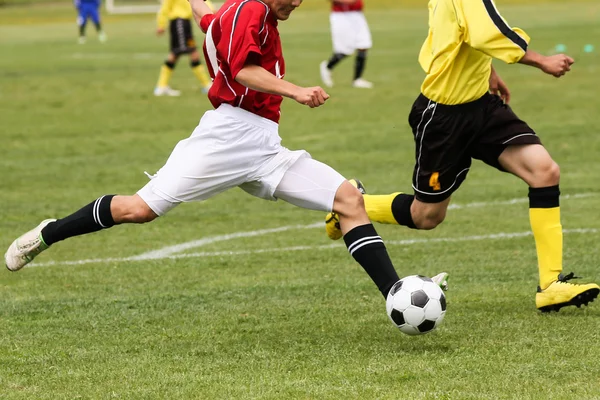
(416, 305)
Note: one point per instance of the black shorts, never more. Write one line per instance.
(447, 138)
(182, 40)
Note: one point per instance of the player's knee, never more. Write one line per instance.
(143, 214)
(131, 209)
(428, 219)
(348, 201)
(547, 174)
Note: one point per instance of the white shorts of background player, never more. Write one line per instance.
(232, 147)
(349, 32)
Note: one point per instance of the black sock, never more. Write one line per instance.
(546, 197)
(170, 65)
(194, 63)
(367, 248)
(98, 27)
(82, 29)
(359, 64)
(401, 210)
(91, 218)
(335, 58)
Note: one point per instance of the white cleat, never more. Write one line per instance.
(326, 74)
(23, 250)
(441, 280)
(166, 91)
(81, 40)
(362, 84)
(102, 37)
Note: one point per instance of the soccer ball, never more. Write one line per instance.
(416, 305)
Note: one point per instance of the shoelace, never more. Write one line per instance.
(564, 278)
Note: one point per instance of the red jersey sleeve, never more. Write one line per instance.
(205, 22)
(247, 24)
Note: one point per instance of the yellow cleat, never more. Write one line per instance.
(561, 294)
(332, 220)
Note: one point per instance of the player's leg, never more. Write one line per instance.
(341, 37)
(363, 43)
(313, 185)
(81, 23)
(177, 46)
(166, 70)
(534, 165)
(102, 213)
(95, 16)
(199, 71)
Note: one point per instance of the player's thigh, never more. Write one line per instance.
(342, 33)
(310, 184)
(532, 163)
(219, 155)
(362, 32)
(442, 138)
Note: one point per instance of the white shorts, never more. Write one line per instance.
(349, 32)
(233, 147)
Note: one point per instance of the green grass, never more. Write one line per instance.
(80, 121)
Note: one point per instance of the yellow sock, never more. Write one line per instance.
(202, 75)
(547, 232)
(164, 77)
(379, 208)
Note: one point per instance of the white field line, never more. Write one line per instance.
(406, 242)
(170, 252)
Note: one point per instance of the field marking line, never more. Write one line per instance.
(406, 242)
(169, 250)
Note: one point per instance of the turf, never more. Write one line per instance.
(280, 313)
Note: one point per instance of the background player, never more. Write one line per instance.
(89, 9)
(455, 119)
(350, 33)
(178, 15)
(236, 145)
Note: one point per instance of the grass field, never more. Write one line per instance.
(259, 304)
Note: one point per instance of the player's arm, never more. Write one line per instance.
(487, 31)
(257, 78)
(162, 16)
(200, 10)
(498, 87)
(556, 65)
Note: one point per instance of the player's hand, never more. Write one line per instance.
(557, 65)
(499, 88)
(160, 31)
(312, 96)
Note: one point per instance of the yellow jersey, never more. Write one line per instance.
(464, 36)
(172, 9)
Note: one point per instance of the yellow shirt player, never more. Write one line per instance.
(177, 14)
(462, 113)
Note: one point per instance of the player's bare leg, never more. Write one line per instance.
(162, 86)
(534, 165)
(102, 213)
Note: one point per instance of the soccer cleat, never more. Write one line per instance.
(326, 74)
(166, 91)
(81, 40)
(102, 37)
(332, 220)
(25, 248)
(441, 280)
(560, 294)
(362, 84)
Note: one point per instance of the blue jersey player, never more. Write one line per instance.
(87, 9)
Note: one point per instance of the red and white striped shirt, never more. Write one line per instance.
(344, 7)
(239, 30)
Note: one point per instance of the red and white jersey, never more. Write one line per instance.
(343, 7)
(239, 30)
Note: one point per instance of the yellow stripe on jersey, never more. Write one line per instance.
(464, 36)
